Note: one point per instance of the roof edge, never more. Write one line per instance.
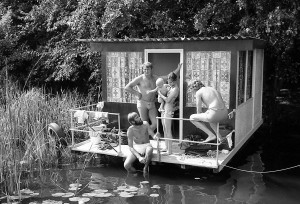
(172, 39)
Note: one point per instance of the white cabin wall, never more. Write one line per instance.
(244, 120)
(258, 85)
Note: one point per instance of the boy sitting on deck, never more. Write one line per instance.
(138, 142)
(164, 89)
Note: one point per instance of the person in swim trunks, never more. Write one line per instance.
(216, 109)
(138, 142)
(146, 101)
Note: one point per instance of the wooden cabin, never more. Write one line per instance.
(233, 65)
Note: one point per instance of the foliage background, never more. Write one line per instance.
(39, 48)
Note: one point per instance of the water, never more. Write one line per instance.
(266, 151)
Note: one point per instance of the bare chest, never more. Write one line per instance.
(147, 84)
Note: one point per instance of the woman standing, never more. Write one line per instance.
(169, 109)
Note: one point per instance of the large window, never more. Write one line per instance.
(245, 75)
(212, 68)
(121, 68)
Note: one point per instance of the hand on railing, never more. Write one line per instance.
(231, 114)
(157, 136)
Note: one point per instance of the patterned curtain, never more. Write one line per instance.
(121, 68)
(241, 80)
(213, 69)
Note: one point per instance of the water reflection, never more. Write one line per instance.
(245, 187)
(166, 184)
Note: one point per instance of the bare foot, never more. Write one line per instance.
(210, 138)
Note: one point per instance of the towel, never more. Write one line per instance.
(103, 115)
(81, 116)
(100, 105)
(229, 139)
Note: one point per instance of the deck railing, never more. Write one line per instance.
(230, 116)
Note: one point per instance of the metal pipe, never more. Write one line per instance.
(174, 118)
(217, 155)
(119, 134)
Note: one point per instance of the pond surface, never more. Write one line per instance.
(107, 181)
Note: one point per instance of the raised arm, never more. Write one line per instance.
(176, 71)
(129, 87)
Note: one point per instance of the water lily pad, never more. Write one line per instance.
(26, 191)
(103, 195)
(100, 191)
(58, 194)
(83, 200)
(16, 197)
(75, 185)
(126, 195)
(73, 189)
(154, 195)
(88, 194)
(74, 199)
(51, 202)
(130, 190)
(68, 195)
(121, 188)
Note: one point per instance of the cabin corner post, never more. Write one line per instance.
(182, 61)
(72, 131)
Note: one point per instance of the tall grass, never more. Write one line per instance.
(24, 141)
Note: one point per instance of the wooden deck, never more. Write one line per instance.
(178, 155)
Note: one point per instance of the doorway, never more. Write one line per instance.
(164, 61)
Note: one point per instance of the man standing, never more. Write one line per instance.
(216, 109)
(138, 142)
(146, 101)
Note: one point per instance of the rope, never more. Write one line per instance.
(261, 172)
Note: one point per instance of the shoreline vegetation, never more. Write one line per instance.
(24, 141)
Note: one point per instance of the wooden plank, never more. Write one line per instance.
(178, 156)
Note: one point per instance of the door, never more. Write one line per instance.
(164, 61)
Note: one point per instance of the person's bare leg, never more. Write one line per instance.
(152, 115)
(164, 130)
(214, 126)
(211, 136)
(143, 112)
(148, 157)
(128, 163)
(168, 132)
(196, 120)
(161, 107)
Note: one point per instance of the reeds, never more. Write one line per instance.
(24, 142)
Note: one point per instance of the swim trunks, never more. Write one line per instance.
(145, 104)
(216, 115)
(141, 148)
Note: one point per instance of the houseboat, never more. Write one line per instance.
(233, 65)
